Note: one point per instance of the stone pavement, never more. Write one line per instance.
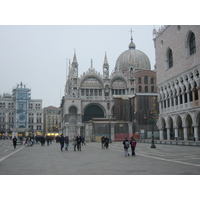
(92, 160)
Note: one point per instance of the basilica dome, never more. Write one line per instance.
(132, 58)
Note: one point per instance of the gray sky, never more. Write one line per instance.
(36, 55)
(39, 55)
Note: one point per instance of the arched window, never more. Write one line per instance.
(146, 80)
(152, 88)
(139, 80)
(192, 44)
(152, 80)
(146, 88)
(140, 88)
(170, 58)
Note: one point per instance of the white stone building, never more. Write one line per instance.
(178, 66)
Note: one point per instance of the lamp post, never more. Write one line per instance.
(152, 123)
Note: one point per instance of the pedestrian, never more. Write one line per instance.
(66, 142)
(42, 140)
(14, 142)
(74, 143)
(48, 140)
(83, 140)
(62, 141)
(133, 145)
(78, 141)
(103, 142)
(106, 142)
(126, 146)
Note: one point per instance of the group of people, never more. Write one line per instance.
(77, 142)
(127, 144)
(104, 142)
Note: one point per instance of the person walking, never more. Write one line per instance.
(48, 140)
(106, 142)
(14, 142)
(103, 142)
(133, 145)
(78, 140)
(126, 146)
(62, 141)
(66, 142)
(83, 140)
(74, 143)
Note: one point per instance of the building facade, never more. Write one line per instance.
(88, 106)
(19, 114)
(51, 121)
(178, 66)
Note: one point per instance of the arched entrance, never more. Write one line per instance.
(180, 128)
(171, 130)
(93, 111)
(190, 131)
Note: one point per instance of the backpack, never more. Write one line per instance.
(126, 144)
(133, 143)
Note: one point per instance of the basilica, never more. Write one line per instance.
(116, 104)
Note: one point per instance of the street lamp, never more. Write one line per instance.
(152, 128)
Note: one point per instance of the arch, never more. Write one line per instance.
(170, 126)
(118, 79)
(190, 43)
(189, 127)
(73, 109)
(93, 111)
(179, 126)
(92, 81)
(169, 58)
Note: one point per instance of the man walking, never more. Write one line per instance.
(14, 142)
(103, 142)
(126, 146)
(78, 141)
(66, 143)
(133, 145)
(62, 140)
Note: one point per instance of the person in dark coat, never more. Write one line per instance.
(48, 140)
(133, 145)
(126, 146)
(78, 141)
(66, 143)
(42, 140)
(62, 141)
(103, 142)
(106, 142)
(14, 142)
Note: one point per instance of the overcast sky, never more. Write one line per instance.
(39, 55)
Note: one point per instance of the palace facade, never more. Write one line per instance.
(178, 66)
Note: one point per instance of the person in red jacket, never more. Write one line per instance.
(133, 145)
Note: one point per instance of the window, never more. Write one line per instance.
(145, 80)
(146, 88)
(152, 88)
(139, 80)
(152, 80)
(170, 58)
(192, 44)
(140, 88)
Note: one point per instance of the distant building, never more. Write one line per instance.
(97, 104)
(178, 66)
(19, 114)
(51, 120)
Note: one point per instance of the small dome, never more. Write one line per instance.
(132, 58)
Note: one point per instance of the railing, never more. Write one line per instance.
(89, 97)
